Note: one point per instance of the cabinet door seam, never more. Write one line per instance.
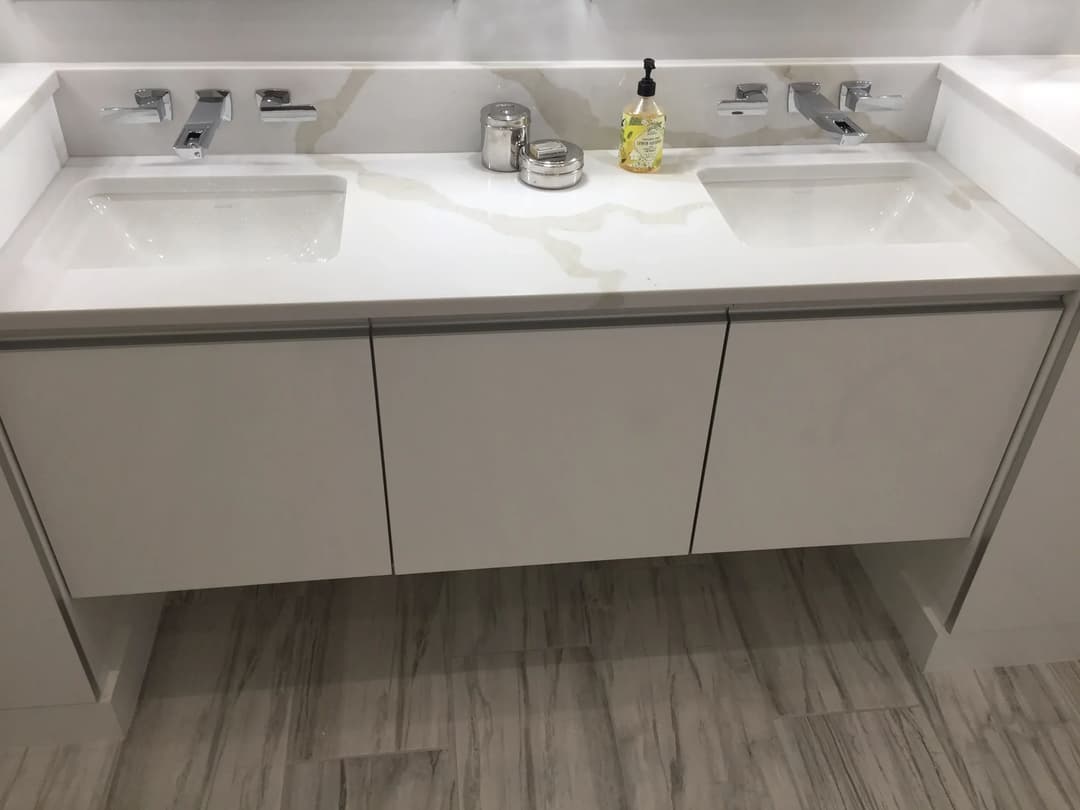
(709, 433)
(382, 449)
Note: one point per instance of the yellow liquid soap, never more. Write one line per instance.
(641, 142)
(642, 145)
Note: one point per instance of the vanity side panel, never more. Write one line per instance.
(39, 663)
(1027, 576)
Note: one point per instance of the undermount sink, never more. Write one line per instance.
(146, 222)
(838, 205)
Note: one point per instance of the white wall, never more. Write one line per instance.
(125, 30)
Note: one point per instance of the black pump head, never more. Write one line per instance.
(647, 86)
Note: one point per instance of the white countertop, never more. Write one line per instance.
(22, 86)
(437, 236)
(1039, 93)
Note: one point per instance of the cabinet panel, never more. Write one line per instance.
(39, 665)
(160, 467)
(864, 429)
(1028, 574)
(518, 447)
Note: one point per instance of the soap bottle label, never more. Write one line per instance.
(642, 145)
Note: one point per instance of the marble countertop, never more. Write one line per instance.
(437, 236)
(1039, 93)
(434, 236)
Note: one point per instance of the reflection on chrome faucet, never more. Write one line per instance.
(212, 107)
(805, 99)
(857, 96)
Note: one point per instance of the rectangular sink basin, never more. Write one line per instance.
(148, 222)
(837, 205)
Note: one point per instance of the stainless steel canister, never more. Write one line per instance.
(504, 131)
(552, 164)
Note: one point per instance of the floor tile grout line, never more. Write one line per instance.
(1071, 696)
(457, 799)
(114, 768)
(859, 710)
(459, 659)
(356, 757)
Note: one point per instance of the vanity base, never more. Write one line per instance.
(933, 648)
(106, 719)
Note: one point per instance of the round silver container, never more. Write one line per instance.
(551, 164)
(504, 131)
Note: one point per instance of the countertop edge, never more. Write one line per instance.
(283, 318)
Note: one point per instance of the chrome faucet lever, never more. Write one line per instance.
(276, 106)
(750, 99)
(856, 96)
(212, 108)
(805, 99)
(152, 106)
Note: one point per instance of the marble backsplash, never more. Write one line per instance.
(434, 107)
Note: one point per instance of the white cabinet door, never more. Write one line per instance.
(39, 664)
(538, 446)
(836, 430)
(194, 465)
(1029, 573)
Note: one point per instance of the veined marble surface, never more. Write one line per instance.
(1041, 94)
(435, 107)
(437, 236)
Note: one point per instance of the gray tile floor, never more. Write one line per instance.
(766, 680)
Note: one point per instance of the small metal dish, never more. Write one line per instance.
(551, 164)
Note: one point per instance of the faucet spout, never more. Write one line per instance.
(805, 99)
(212, 108)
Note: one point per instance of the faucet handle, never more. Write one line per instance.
(750, 99)
(276, 106)
(152, 106)
(856, 96)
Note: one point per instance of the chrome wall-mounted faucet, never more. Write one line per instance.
(212, 107)
(856, 96)
(275, 106)
(152, 106)
(750, 99)
(805, 99)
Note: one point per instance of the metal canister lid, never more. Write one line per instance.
(551, 164)
(506, 114)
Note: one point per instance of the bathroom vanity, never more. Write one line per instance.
(277, 367)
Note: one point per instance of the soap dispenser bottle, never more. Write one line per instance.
(642, 143)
